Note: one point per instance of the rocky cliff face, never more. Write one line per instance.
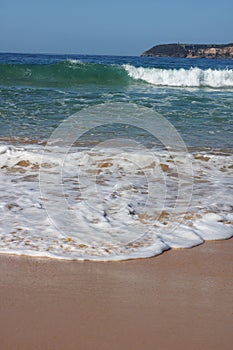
(191, 51)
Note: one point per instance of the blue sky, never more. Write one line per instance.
(120, 27)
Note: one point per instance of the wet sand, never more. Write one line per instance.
(182, 299)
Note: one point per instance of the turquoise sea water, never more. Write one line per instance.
(38, 92)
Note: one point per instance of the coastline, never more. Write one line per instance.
(180, 299)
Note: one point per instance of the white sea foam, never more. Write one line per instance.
(193, 77)
(109, 195)
(74, 61)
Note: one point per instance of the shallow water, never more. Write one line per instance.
(118, 201)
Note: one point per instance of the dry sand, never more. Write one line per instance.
(182, 299)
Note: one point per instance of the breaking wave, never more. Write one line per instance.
(193, 77)
(71, 73)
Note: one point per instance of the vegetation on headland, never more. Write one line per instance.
(191, 51)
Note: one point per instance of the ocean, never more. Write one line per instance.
(112, 157)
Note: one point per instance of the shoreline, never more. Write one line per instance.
(181, 299)
(96, 260)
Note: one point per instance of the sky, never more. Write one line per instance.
(107, 27)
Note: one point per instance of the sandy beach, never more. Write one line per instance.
(182, 299)
(116, 175)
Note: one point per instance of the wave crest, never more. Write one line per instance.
(71, 73)
(193, 77)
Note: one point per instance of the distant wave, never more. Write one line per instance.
(193, 77)
(71, 73)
